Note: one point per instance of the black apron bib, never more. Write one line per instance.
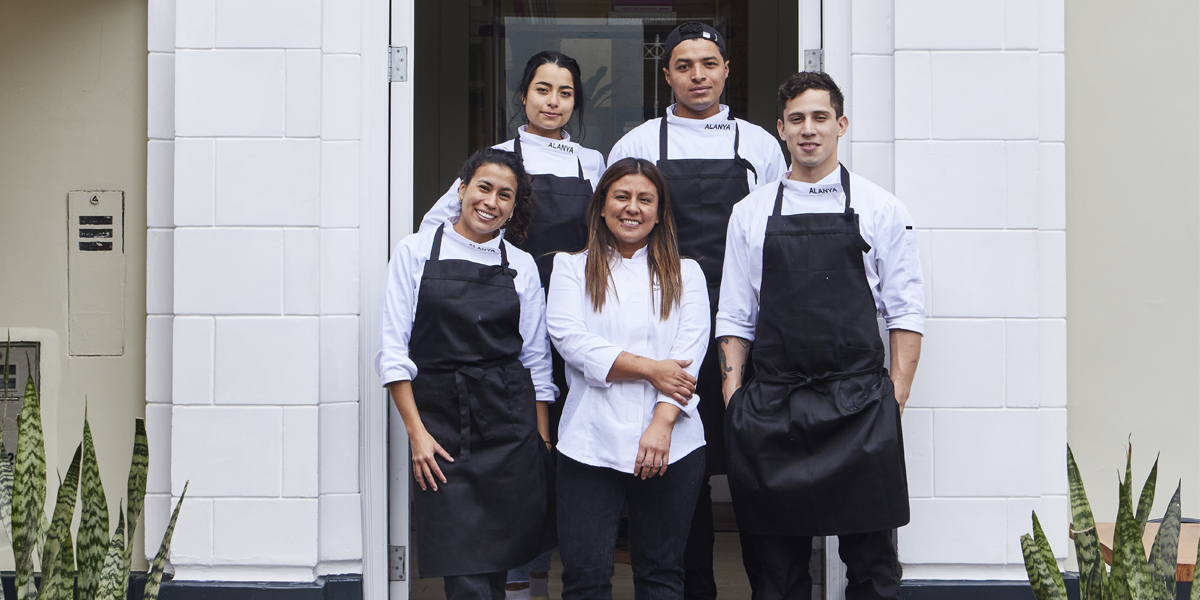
(815, 446)
(703, 192)
(559, 224)
(477, 400)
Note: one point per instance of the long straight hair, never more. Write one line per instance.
(662, 251)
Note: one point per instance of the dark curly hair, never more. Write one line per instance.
(518, 224)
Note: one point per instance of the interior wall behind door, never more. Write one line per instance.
(441, 101)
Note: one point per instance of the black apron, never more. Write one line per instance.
(815, 446)
(703, 192)
(559, 224)
(477, 400)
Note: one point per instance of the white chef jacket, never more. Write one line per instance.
(541, 156)
(398, 305)
(706, 138)
(893, 267)
(603, 421)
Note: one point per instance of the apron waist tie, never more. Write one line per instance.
(468, 405)
(795, 379)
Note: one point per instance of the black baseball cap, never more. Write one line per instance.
(693, 30)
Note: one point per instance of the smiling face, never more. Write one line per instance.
(487, 202)
(631, 212)
(549, 101)
(811, 130)
(696, 73)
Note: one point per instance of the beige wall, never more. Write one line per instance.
(1133, 246)
(73, 117)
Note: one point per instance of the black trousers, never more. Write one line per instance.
(699, 583)
(778, 566)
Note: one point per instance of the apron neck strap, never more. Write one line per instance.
(846, 186)
(435, 251)
(662, 138)
(517, 147)
(503, 255)
(778, 201)
(580, 161)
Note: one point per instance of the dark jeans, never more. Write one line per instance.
(488, 586)
(660, 513)
(699, 583)
(782, 562)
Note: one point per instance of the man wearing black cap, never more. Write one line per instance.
(711, 161)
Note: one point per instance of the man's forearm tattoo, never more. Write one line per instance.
(725, 368)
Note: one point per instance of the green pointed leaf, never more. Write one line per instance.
(1130, 569)
(29, 490)
(1165, 552)
(1093, 575)
(1040, 578)
(60, 526)
(1146, 501)
(154, 579)
(113, 576)
(1043, 545)
(59, 583)
(93, 521)
(6, 461)
(136, 488)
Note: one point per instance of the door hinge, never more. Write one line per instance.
(814, 60)
(396, 569)
(397, 63)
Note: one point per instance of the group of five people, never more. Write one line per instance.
(544, 274)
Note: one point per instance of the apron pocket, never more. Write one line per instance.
(522, 402)
(856, 393)
(437, 404)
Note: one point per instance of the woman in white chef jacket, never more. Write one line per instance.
(630, 318)
(464, 354)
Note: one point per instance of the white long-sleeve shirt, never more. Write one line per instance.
(541, 156)
(398, 305)
(706, 138)
(893, 267)
(603, 421)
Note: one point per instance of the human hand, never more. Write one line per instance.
(902, 391)
(425, 467)
(654, 450)
(669, 378)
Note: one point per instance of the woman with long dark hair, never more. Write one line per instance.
(464, 355)
(630, 319)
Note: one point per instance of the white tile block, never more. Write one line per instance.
(339, 359)
(1021, 185)
(339, 272)
(1054, 513)
(979, 453)
(160, 96)
(925, 248)
(955, 531)
(962, 364)
(1021, 24)
(985, 95)
(160, 25)
(914, 95)
(340, 184)
(340, 93)
(229, 93)
(192, 541)
(277, 531)
(227, 450)
(1051, 35)
(300, 441)
(269, 23)
(918, 450)
(303, 93)
(1052, 97)
(192, 360)
(195, 23)
(1052, 273)
(339, 448)
(302, 271)
(874, 109)
(195, 181)
(159, 330)
(1053, 451)
(158, 439)
(160, 261)
(1053, 336)
(986, 273)
(160, 183)
(156, 512)
(874, 160)
(267, 360)
(1023, 364)
(245, 265)
(949, 24)
(341, 527)
(268, 182)
(871, 26)
(1052, 186)
(952, 184)
(341, 27)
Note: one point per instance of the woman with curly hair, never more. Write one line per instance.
(464, 354)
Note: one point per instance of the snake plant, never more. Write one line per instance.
(1133, 576)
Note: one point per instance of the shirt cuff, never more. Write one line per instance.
(688, 411)
(729, 327)
(911, 322)
(599, 364)
(546, 393)
(399, 372)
